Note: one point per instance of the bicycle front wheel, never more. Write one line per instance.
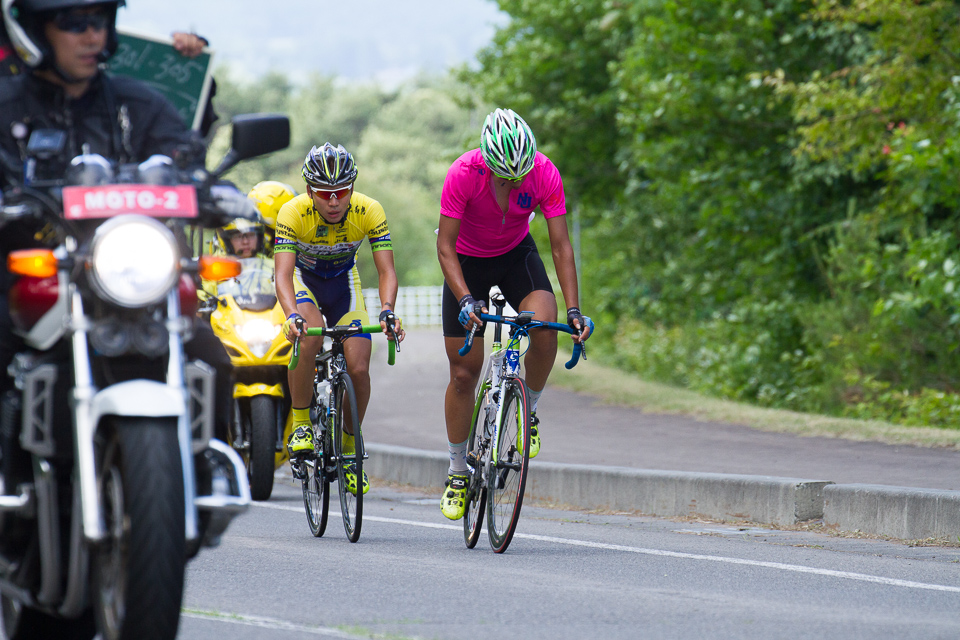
(476, 457)
(507, 475)
(351, 504)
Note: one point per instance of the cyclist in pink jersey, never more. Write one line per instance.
(487, 203)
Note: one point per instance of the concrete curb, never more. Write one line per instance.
(899, 512)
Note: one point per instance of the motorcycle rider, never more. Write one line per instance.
(318, 236)
(63, 43)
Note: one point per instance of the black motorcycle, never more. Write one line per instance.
(111, 477)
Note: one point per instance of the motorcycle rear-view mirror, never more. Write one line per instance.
(255, 134)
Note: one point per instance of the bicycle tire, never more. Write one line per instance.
(476, 489)
(351, 506)
(507, 474)
(316, 495)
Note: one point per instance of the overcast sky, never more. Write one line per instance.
(383, 40)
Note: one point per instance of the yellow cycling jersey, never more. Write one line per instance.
(329, 250)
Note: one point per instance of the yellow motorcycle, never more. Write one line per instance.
(247, 318)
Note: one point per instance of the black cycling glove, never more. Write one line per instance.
(467, 306)
(574, 315)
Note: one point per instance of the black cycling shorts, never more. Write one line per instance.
(518, 272)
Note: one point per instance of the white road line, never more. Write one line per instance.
(779, 566)
(268, 623)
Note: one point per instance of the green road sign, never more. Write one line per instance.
(183, 81)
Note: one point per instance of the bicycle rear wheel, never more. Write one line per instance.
(507, 475)
(476, 491)
(316, 495)
(351, 506)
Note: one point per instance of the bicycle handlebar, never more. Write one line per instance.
(338, 333)
(578, 347)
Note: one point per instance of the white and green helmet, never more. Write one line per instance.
(507, 144)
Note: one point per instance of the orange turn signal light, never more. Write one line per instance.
(39, 263)
(218, 267)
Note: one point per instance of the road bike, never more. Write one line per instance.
(498, 449)
(334, 410)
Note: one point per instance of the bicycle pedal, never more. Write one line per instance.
(297, 470)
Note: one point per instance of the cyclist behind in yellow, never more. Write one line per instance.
(270, 196)
(318, 236)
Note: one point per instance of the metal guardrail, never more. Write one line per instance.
(417, 306)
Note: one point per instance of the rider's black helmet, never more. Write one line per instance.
(329, 166)
(25, 19)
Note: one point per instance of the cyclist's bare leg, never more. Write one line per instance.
(301, 378)
(538, 362)
(357, 353)
(461, 391)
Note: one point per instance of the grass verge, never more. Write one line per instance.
(616, 387)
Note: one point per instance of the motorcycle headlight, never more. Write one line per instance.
(135, 261)
(259, 335)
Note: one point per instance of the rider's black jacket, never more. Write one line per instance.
(117, 117)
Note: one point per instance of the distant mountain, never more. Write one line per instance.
(382, 40)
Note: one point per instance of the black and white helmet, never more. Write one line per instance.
(329, 166)
(24, 21)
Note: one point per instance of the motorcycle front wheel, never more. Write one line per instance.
(137, 570)
(263, 446)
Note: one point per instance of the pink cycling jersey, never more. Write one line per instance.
(485, 230)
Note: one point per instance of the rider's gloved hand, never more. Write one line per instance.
(290, 324)
(393, 322)
(575, 319)
(467, 306)
(579, 323)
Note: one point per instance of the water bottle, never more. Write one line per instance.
(323, 393)
(490, 417)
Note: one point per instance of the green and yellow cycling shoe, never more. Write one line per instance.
(301, 441)
(453, 504)
(350, 475)
(534, 437)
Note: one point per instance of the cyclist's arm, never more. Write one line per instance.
(284, 263)
(388, 283)
(565, 265)
(447, 255)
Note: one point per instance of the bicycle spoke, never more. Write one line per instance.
(507, 476)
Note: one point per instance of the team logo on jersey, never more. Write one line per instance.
(524, 200)
(322, 231)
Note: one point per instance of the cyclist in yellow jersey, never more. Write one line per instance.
(318, 236)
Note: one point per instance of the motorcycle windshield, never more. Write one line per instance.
(253, 289)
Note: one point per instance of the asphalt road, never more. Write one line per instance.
(407, 410)
(566, 575)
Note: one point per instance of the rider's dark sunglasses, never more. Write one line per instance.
(79, 22)
(326, 194)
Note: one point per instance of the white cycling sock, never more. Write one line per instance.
(534, 397)
(458, 457)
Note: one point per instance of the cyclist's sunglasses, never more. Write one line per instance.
(79, 22)
(326, 194)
